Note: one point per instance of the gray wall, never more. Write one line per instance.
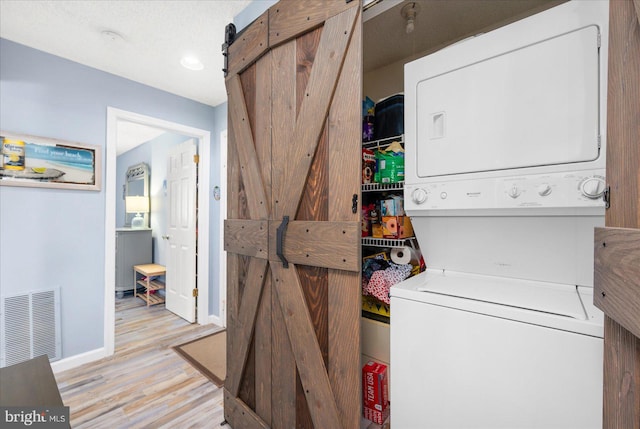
(53, 237)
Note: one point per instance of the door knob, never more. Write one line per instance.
(165, 237)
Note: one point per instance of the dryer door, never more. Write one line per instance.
(533, 106)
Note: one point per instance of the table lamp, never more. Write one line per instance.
(137, 205)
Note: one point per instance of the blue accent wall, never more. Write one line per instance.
(53, 237)
(132, 157)
(155, 154)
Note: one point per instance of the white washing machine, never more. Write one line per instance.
(504, 182)
(473, 351)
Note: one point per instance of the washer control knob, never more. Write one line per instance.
(593, 187)
(514, 192)
(544, 189)
(419, 195)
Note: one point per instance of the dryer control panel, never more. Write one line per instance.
(568, 190)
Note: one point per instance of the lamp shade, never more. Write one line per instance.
(137, 204)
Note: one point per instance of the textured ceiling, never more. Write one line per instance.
(155, 36)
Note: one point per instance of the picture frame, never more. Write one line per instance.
(43, 162)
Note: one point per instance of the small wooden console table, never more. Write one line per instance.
(149, 271)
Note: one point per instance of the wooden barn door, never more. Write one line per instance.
(617, 247)
(293, 345)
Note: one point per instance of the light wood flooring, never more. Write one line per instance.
(145, 384)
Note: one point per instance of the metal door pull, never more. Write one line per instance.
(281, 231)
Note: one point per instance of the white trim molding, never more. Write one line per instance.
(77, 360)
(204, 171)
(222, 300)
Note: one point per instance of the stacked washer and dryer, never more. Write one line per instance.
(505, 175)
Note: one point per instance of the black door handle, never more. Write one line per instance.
(281, 231)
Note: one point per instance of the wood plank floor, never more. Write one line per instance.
(145, 383)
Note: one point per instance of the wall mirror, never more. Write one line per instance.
(137, 185)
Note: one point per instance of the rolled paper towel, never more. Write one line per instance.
(404, 255)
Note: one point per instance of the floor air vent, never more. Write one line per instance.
(30, 326)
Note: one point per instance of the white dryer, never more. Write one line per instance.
(504, 182)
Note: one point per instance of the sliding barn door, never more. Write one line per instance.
(617, 247)
(293, 348)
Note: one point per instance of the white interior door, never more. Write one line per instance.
(181, 230)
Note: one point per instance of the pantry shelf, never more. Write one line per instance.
(377, 187)
(389, 242)
(383, 143)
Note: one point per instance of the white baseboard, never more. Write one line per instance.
(77, 360)
(97, 354)
(213, 319)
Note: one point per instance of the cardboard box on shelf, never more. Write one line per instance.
(368, 165)
(371, 304)
(376, 224)
(376, 230)
(375, 392)
(390, 164)
(392, 206)
(396, 227)
(366, 219)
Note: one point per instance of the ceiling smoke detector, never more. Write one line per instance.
(111, 36)
(409, 12)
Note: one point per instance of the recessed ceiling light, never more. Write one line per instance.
(191, 63)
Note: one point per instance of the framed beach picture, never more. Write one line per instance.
(48, 163)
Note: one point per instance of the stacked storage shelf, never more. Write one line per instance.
(387, 232)
(379, 239)
(380, 242)
(147, 276)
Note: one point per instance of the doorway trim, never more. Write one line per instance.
(204, 171)
(222, 301)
